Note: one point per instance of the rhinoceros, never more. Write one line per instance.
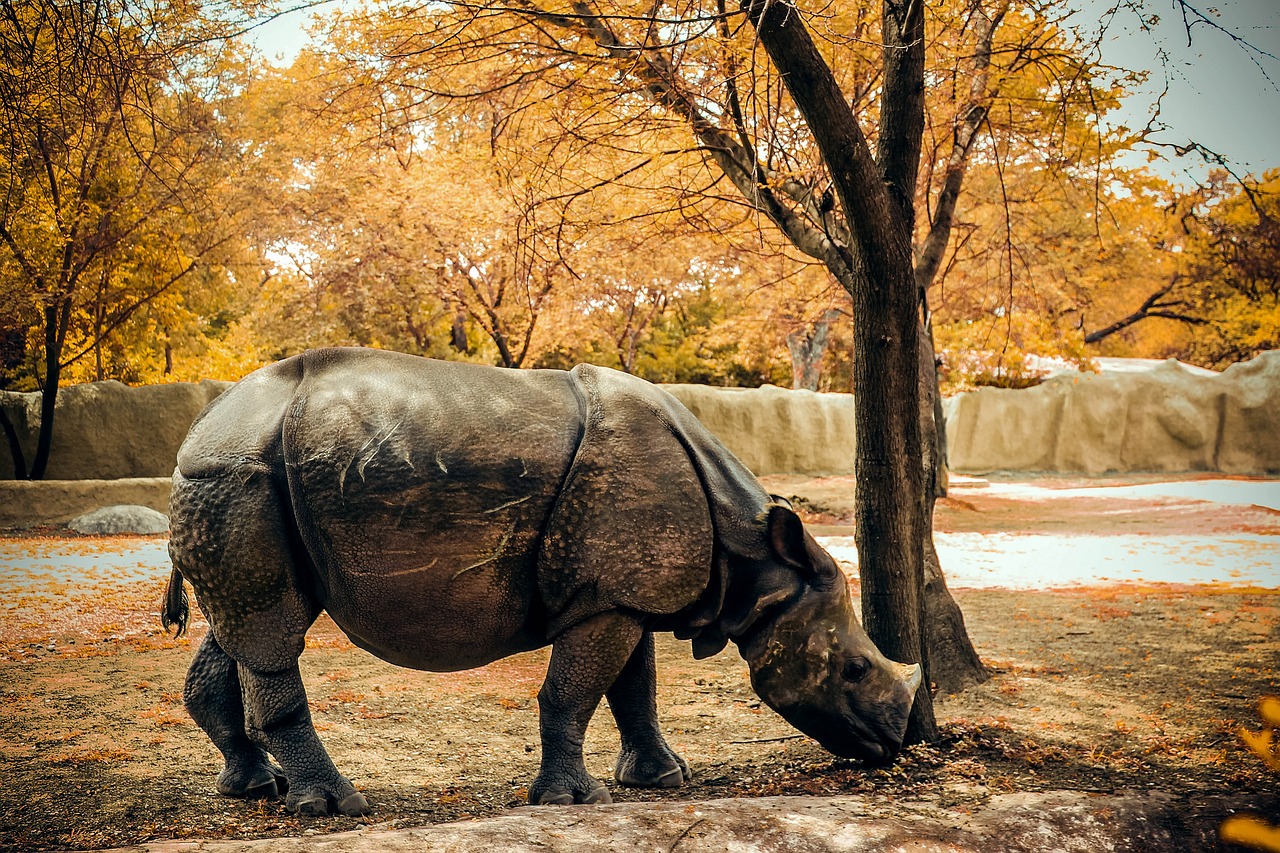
(447, 515)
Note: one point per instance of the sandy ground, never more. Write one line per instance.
(1103, 687)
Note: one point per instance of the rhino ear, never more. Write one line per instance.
(785, 534)
(791, 546)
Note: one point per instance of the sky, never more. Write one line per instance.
(1223, 93)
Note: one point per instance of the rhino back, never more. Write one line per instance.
(421, 490)
(242, 425)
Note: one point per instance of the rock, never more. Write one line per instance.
(1053, 820)
(125, 518)
(27, 503)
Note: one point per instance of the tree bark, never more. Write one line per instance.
(57, 317)
(876, 199)
(15, 446)
(807, 348)
(953, 662)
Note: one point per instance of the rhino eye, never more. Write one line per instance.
(856, 669)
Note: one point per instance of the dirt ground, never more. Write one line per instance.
(1096, 690)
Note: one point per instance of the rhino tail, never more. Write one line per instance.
(174, 610)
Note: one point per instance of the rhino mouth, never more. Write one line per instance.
(879, 751)
(847, 736)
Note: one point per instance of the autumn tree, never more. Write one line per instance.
(1211, 291)
(110, 153)
(860, 225)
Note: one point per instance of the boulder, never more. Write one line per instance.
(1030, 821)
(124, 518)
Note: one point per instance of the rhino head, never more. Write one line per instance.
(810, 659)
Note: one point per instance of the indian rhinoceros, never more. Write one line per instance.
(446, 515)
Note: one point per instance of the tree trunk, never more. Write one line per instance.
(953, 662)
(56, 318)
(807, 348)
(458, 333)
(15, 447)
(876, 197)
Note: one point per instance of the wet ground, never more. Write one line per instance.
(1096, 688)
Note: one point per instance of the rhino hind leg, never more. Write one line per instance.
(585, 661)
(646, 760)
(280, 718)
(212, 697)
(232, 539)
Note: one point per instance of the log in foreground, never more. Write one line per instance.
(1150, 821)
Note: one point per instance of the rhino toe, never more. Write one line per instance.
(580, 789)
(259, 782)
(316, 802)
(354, 805)
(600, 796)
(313, 806)
(657, 769)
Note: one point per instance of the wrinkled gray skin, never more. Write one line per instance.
(447, 515)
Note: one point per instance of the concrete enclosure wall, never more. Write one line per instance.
(26, 503)
(1167, 419)
(107, 430)
(775, 430)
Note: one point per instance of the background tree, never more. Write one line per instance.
(110, 159)
(778, 181)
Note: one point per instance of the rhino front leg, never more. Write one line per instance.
(585, 662)
(212, 697)
(280, 718)
(645, 761)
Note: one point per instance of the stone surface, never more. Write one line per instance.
(108, 430)
(1168, 419)
(1041, 821)
(27, 503)
(122, 518)
(776, 430)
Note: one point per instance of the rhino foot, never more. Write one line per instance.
(317, 802)
(256, 782)
(659, 768)
(547, 791)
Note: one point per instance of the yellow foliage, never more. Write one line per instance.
(1249, 830)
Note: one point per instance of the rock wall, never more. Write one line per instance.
(26, 503)
(107, 430)
(1169, 419)
(775, 430)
